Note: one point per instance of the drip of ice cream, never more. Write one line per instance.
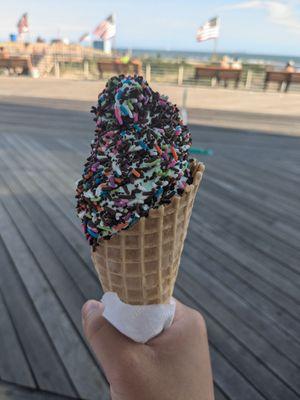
(139, 158)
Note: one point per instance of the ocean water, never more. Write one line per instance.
(277, 60)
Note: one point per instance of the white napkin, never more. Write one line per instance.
(139, 323)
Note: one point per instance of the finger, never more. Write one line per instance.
(179, 311)
(185, 322)
(107, 343)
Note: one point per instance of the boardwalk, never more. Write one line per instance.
(240, 266)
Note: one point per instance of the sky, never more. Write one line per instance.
(251, 26)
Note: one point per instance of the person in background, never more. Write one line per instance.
(225, 62)
(236, 64)
(125, 58)
(290, 67)
(4, 53)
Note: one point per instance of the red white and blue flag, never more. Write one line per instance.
(86, 37)
(210, 30)
(106, 29)
(22, 24)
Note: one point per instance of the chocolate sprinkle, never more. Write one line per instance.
(139, 158)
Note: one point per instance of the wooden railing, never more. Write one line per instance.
(115, 67)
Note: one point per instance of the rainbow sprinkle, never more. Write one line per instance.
(139, 158)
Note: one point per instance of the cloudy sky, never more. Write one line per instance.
(254, 26)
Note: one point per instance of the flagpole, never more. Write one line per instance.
(216, 39)
(214, 55)
(113, 43)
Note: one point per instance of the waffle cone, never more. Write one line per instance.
(141, 264)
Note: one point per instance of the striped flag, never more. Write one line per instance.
(22, 25)
(106, 29)
(210, 30)
(86, 37)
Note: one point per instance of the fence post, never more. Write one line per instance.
(86, 70)
(148, 73)
(56, 69)
(180, 75)
(184, 113)
(249, 79)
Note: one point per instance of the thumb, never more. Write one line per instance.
(109, 345)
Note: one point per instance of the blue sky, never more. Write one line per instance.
(254, 26)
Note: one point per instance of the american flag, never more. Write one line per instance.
(86, 37)
(210, 30)
(106, 29)
(22, 25)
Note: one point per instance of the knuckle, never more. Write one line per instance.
(93, 327)
(198, 321)
(91, 331)
(129, 360)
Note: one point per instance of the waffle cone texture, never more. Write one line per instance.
(141, 263)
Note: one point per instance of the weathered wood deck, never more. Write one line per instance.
(240, 266)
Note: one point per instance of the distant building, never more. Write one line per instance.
(98, 44)
(13, 37)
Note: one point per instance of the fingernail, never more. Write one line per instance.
(89, 308)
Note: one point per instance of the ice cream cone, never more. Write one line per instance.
(141, 264)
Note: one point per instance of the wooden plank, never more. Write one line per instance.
(48, 157)
(268, 356)
(275, 164)
(84, 280)
(266, 179)
(233, 383)
(249, 287)
(32, 335)
(253, 259)
(244, 183)
(46, 120)
(267, 353)
(260, 242)
(220, 187)
(233, 345)
(212, 245)
(244, 137)
(219, 394)
(73, 353)
(249, 153)
(60, 190)
(53, 168)
(262, 325)
(13, 364)
(59, 209)
(237, 214)
(10, 391)
(244, 257)
(259, 181)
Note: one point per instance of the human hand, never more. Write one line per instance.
(174, 365)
